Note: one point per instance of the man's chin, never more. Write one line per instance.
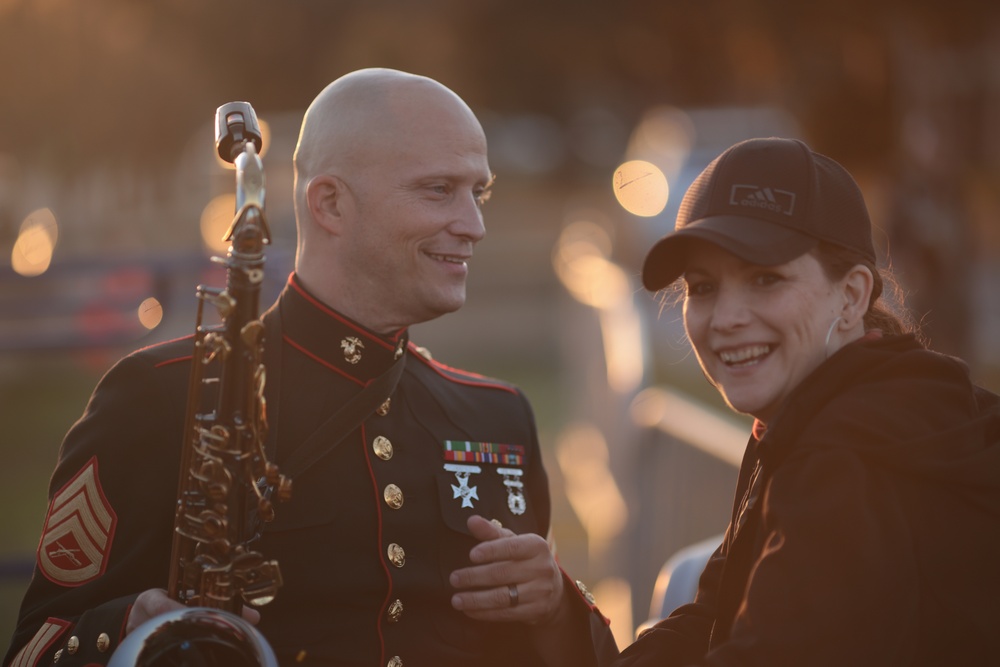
(441, 307)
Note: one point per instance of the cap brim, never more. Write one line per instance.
(752, 240)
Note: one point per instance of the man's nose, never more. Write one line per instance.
(468, 221)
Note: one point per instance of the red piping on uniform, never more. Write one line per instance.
(322, 361)
(381, 554)
(367, 334)
(165, 342)
(167, 362)
(439, 368)
(33, 650)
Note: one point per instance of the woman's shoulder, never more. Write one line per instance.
(886, 390)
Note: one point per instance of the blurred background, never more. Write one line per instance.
(598, 114)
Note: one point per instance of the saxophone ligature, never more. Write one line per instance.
(226, 481)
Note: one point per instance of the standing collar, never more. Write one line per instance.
(333, 340)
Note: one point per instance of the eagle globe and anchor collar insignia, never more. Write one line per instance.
(462, 457)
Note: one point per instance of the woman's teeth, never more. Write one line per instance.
(745, 355)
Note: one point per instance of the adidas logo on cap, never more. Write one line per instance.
(778, 201)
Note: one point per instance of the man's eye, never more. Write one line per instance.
(484, 193)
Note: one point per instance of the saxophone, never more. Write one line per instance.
(224, 471)
(226, 482)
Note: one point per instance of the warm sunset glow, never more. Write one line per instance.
(584, 459)
(35, 244)
(216, 218)
(579, 260)
(641, 188)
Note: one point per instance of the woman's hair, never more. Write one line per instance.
(885, 307)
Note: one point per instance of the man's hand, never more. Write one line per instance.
(513, 577)
(154, 602)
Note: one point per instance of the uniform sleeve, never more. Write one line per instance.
(835, 583)
(681, 638)
(591, 628)
(106, 534)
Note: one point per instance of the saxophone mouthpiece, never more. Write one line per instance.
(236, 125)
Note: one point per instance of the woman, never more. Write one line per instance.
(866, 526)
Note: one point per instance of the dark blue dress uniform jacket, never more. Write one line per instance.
(369, 538)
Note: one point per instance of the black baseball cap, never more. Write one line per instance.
(767, 201)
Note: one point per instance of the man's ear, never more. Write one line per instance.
(857, 285)
(326, 198)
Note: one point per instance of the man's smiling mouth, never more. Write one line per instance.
(453, 259)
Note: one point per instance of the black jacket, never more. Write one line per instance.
(866, 527)
(342, 594)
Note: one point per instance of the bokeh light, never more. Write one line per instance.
(150, 313)
(581, 264)
(641, 188)
(35, 244)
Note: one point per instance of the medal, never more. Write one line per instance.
(463, 490)
(515, 489)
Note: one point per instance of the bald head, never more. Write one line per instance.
(390, 172)
(357, 121)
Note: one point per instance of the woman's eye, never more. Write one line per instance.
(765, 279)
(700, 288)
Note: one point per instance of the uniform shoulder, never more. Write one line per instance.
(458, 376)
(165, 353)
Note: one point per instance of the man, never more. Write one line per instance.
(395, 548)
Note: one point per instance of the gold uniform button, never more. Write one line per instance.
(393, 496)
(73, 645)
(397, 556)
(394, 661)
(395, 611)
(382, 447)
(383, 409)
(103, 642)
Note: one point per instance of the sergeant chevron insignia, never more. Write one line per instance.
(78, 532)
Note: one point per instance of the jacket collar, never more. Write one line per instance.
(333, 340)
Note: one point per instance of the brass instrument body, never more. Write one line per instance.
(225, 477)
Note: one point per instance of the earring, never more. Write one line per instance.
(829, 332)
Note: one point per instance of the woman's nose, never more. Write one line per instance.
(730, 310)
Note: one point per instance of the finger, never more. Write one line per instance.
(483, 529)
(486, 575)
(506, 602)
(512, 547)
(250, 615)
(149, 604)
